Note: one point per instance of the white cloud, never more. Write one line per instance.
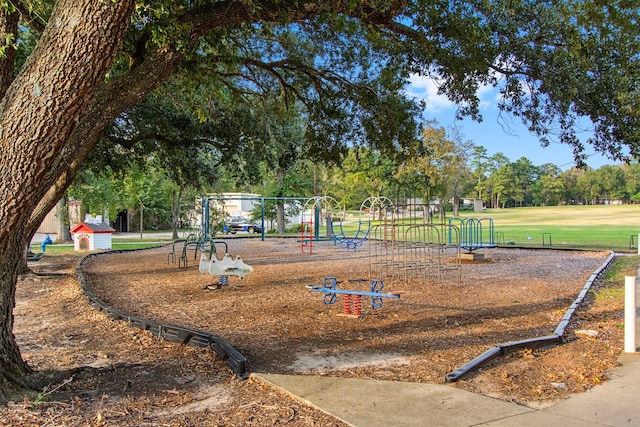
(426, 89)
(489, 97)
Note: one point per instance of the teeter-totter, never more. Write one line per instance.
(330, 291)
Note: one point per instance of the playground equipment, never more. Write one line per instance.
(318, 212)
(372, 209)
(47, 241)
(171, 256)
(194, 243)
(308, 218)
(33, 256)
(330, 291)
(475, 233)
(407, 251)
(36, 257)
(306, 236)
(407, 244)
(212, 212)
(224, 268)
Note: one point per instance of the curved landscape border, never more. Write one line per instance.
(237, 362)
(232, 357)
(546, 341)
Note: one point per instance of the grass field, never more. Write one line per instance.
(599, 227)
(615, 215)
(68, 248)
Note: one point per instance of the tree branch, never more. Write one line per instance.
(8, 26)
(34, 20)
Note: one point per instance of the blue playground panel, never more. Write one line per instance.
(475, 233)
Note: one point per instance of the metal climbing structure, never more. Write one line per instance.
(306, 236)
(408, 245)
(318, 213)
(372, 210)
(194, 242)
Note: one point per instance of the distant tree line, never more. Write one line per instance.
(468, 173)
(448, 170)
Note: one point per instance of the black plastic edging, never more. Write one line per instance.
(538, 342)
(232, 357)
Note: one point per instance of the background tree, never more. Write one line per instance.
(424, 174)
(63, 234)
(457, 174)
(590, 186)
(548, 189)
(296, 182)
(612, 179)
(525, 175)
(100, 191)
(504, 185)
(364, 173)
(148, 193)
(570, 178)
(479, 166)
(439, 156)
(632, 181)
(283, 137)
(162, 136)
(499, 178)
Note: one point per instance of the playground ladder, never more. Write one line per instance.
(306, 237)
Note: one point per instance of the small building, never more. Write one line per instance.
(89, 236)
(226, 205)
(238, 204)
(50, 223)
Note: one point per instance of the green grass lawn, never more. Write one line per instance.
(68, 248)
(598, 227)
(600, 237)
(627, 215)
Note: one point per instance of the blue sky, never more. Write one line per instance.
(503, 134)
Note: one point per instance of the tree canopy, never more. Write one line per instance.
(555, 64)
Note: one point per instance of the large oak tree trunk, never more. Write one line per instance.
(12, 367)
(38, 113)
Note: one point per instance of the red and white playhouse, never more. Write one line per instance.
(90, 236)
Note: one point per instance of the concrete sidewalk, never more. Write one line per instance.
(371, 403)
